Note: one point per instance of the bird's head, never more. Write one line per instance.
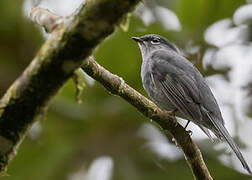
(152, 42)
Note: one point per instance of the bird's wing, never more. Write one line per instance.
(179, 86)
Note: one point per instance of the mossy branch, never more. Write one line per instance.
(55, 62)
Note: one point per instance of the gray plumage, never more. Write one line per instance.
(173, 83)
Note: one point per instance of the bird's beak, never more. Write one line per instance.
(137, 39)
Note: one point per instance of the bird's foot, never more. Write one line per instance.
(187, 124)
(189, 132)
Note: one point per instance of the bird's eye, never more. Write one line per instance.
(155, 41)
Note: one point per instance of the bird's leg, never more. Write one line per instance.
(172, 114)
(187, 124)
(189, 131)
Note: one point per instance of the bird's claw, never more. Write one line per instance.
(189, 132)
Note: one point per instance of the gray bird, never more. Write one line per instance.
(175, 85)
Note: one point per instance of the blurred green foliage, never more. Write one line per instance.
(73, 135)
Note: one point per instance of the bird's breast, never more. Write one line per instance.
(154, 91)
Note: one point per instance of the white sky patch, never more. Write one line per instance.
(100, 169)
(89, 79)
(145, 14)
(165, 16)
(221, 33)
(27, 5)
(243, 15)
(208, 57)
(158, 142)
(35, 130)
(60, 7)
(221, 89)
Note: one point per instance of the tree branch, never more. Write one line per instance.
(56, 61)
(58, 58)
(117, 86)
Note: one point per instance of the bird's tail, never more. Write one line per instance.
(223, 133)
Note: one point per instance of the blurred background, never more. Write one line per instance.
(105, 138)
